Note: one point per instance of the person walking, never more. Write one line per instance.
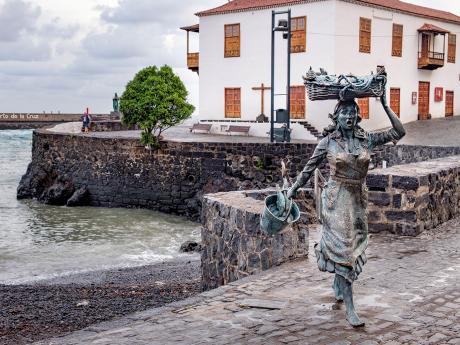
(86, 121)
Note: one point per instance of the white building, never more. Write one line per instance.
(417, 46)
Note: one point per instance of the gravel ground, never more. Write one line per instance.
(49, 308)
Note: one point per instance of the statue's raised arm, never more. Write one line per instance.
(393, 134)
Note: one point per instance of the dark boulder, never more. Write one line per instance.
(58, 194)
(33, 183)
(190, 247)
(79, 198)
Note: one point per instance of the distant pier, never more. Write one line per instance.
(37, 120)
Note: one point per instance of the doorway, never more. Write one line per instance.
(423, 100)
(449, 103)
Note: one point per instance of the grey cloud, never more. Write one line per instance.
(57, 30)
(86, 72)
(171, 14)
(116, 44)
(23, 38)
(25, 50)
(144, 11)
(17, 17)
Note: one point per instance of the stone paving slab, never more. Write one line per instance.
(408, 294)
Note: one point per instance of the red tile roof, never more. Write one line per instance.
(433, 28)
(246, 5)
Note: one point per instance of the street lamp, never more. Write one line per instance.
(284, 26)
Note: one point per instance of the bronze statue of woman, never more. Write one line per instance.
(344, 237)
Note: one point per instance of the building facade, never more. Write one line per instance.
(417, 46)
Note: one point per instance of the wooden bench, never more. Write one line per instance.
(238, 129)
(201, 127)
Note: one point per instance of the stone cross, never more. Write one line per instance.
(261, 88)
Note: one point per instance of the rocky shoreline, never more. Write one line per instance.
(45, 309)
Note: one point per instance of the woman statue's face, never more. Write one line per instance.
(347, 117)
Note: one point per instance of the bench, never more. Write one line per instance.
(238, 129)
(201, 127)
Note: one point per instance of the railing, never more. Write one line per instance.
(430, 60)
(320, 181)
(193, 60)
(431, 55)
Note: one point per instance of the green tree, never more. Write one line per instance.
(155, 100)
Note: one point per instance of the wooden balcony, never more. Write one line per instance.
(193, 61)
(430, 60)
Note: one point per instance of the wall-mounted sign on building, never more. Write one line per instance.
(414, 97)
(438, 92)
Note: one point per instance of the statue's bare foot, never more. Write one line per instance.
(354, 319)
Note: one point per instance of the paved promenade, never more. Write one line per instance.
(436, 132)
(408, 294)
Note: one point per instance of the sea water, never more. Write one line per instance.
(40, 241)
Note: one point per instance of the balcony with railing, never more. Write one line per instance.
(430, 56)
(193, 59)
(430, 60)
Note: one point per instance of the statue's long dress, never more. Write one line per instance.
(344, 200)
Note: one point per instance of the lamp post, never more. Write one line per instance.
(283, 26)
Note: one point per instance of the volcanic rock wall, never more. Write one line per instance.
(119, 172)
(234, 245)
(408, 199)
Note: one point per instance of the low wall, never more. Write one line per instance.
(405, 154)
(110, 126)
(25, 125)
(233, 244)
(408, 199)
(33, 121)
(120, 172)
(44, 117)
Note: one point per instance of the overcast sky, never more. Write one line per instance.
(62, 55)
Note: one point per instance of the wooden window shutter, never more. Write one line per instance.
(397, 40)
(232, 40)
(395, 100)
(297, 102)
(233, 102)
(365, 25)
(363, 107)
(452, 47)
(298, 34)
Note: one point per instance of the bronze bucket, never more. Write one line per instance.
(272, 224)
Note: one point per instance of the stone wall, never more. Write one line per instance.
(408, 199)
(233, 244)
(405, 154)
(119, 172)
(110, 126)
(45, 117)
(25, 125)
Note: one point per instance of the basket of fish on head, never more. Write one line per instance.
(279, 211)
(322, 86)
